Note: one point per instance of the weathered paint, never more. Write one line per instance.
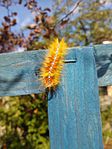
(103, 56)
(18, 70)
(74, 113)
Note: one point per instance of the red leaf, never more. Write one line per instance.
(7, 19)
(13, 22)
(64, 22)
(20, 1)
(14, 13)
(37, 30)
(47, 9)
(36, 19)
(31, 26)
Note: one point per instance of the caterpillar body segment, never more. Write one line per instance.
(52, 66)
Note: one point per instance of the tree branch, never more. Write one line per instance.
(67, 15)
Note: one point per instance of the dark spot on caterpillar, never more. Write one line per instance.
(37, 71)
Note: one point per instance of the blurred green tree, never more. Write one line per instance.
(90, 23)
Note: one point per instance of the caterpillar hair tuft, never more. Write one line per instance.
(52, 66)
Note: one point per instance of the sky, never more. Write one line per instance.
(24, 16)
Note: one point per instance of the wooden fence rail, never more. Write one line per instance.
(74, 112)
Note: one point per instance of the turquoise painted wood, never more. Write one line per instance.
(103, 55)
(74, 113)
(19, 73)
(18, 70)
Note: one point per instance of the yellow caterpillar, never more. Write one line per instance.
(50, 71)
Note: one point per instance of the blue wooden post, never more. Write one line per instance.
(74, 112)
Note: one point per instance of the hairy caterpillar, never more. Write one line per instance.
(50, 71)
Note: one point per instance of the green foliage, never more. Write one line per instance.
(92, 24)
(23, 120)
(107, 124)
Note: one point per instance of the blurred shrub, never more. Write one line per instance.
(107, 124)
(23, 122)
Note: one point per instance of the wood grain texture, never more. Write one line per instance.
(19, 73)
(74, 113)
(18, 70)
